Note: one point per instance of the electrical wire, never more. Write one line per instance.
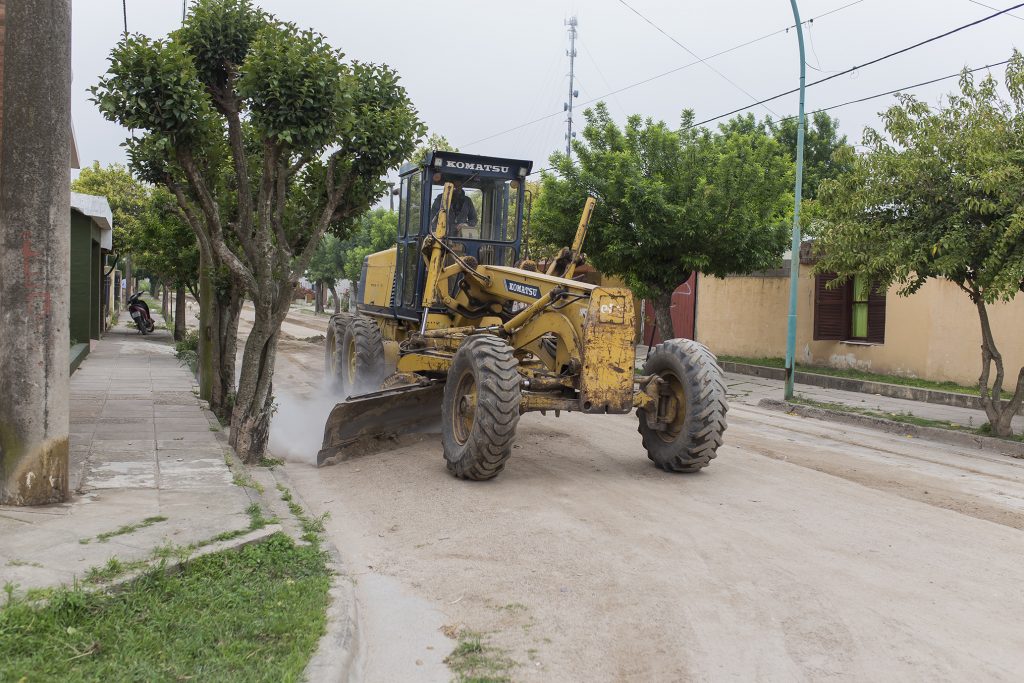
(890, 55)
(694, 54)
(645, 81)
(867, 98)
(981, 4)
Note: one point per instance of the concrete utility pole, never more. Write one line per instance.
(35, 237)
(573, 93)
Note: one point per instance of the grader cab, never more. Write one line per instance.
(455, 334)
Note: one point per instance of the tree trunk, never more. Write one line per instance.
(337, 300)
(662, 304)
(152, 287)
(229, 309)
(179, 313)
(1000, 413)
(207, 338)
(250, 420)
(318, 297)
(165, 304)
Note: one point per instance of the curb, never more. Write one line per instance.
(984, 443)
(909, 393)
(336, 654)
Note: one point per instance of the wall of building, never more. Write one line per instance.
(934, 334)
(81, 277)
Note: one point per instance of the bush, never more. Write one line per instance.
(187, 350)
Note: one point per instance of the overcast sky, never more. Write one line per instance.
(476, 68)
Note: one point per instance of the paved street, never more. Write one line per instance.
(141, 447)
(808, 550)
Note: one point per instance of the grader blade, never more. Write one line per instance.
(373, 422)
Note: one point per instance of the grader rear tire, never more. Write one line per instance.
(362, 357)
(697, 389)
(481, 408)
(332, 349)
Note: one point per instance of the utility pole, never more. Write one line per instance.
(35, 238)
(573, 93)
(794, 256)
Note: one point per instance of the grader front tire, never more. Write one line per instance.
(481, 408)
(695, 389)
(362, 357)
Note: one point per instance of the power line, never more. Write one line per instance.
(868, 63)
(692, 54)
(981, 4)
(645, 81)
(867, 98)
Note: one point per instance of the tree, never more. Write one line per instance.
(376, 230)
(821, 142)
(940, 195)
(670, 203)
(327, 267)
(167, 248)
(128, 199)
(298, 124)
(433, 143)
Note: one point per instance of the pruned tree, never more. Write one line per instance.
(128, 199)
(821, 142)
(327, 267)
(168, 249)
(940, 195)
(670, 203)
(291, 114)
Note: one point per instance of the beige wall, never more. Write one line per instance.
(933, 334)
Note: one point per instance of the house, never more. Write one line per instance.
(91, 241)
(933, 334)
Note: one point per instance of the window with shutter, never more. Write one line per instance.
(876, 317)
(852, 311)
(831, 309)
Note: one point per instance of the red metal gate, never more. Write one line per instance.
(684, 313)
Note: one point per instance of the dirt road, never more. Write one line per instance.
(807, 551)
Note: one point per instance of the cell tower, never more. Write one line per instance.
(573, 93)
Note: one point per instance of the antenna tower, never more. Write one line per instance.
(573, 93)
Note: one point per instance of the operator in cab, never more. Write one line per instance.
(462, 221)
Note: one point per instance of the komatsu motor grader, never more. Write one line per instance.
(451, 324)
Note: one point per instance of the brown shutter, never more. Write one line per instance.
(876, 317)
(831, 309)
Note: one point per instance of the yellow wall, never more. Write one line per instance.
(933, 334)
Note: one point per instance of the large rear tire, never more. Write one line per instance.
(362, 357)
(332, 349)
(694, 406)
(481, 408)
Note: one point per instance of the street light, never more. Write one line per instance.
(794, 257)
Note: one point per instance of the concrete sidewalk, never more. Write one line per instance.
(749, 390)
(142, 448)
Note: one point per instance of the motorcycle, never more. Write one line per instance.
(139, 311)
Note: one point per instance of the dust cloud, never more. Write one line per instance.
(297, 428)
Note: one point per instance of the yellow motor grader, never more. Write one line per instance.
(454, 334)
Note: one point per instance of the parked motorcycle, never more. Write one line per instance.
(139, 311)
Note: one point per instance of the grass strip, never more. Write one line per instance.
(126, 529)
(905, 417)
(252, 614)
(850, 373)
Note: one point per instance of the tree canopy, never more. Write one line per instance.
(938, 195)
(821, 142)
(293, 121)
(128, 198)
(670, 202)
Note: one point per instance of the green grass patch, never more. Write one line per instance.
(475, 661)
(312, 527)
(253, 614)
(905, 417)
(952, 387)
(113, 569)
(126, 529)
